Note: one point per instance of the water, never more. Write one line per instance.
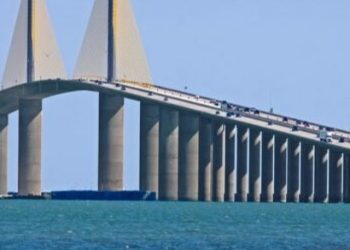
(170, 225)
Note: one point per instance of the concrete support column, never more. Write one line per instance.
(219, 163)
(255, 166)
(281, 166)
(322, 175)
(205, 159)
(168, 154)
(3, 154)
(346, 179)
(231, 141)
(29, 156)
(243, 141)
(111, 143)
(189, 156)
(268, 165)
(308, 163)
(336, 177)
(294, 171)
(149, 147)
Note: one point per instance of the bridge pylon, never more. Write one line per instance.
(112, 50)
(34, 55)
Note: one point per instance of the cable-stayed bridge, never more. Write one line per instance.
(191, 147)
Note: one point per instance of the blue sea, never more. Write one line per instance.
(51, 224)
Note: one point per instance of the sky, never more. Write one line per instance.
(292, 55)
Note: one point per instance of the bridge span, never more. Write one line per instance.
(191, 147)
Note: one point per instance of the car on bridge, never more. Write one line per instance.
(325, 136)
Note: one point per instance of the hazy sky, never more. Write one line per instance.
(292, 55)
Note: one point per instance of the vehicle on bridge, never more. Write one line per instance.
(325, 136)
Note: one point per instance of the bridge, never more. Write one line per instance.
(191, 147)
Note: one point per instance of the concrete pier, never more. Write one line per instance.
(336, 177)
(189, 156)
(205, 159)
(255, 165)
(29, 156)
(281, 168)
(294, 171)
(219, 163)
(346, 179)
(111, 143)
(231, 141)
(243, 140)
(268, 165)
(3, 153)
(149, 147)
(308, 163)
(168, 154)
(322, 175)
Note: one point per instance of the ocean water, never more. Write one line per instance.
(172, 225)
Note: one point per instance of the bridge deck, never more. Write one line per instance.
(204, 105)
